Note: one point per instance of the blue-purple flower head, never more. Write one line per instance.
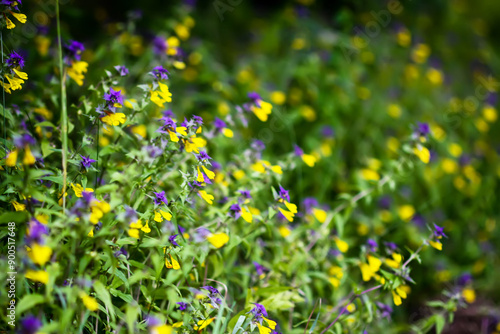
(327, 131)
(283, 194)
(255, 97)
(385, 202)
(391, 246)
(439, 232)
(385, 310)
(182, 306)
(258, 145)
(159, 45)
(219, 124)
(24, 140)
(160, 198)
(113, 97)
(258, 311)
(245, 194)
(464, 279)
(160, 73)
(309, 203)
(121, 251)
(422, 129)
(153, 151)
(86, 162)
(197, 120)
(14, 59)
(122, 70)
(74, 49)
(260, 269)
(11, 3)
(298, 151)
(30, 325)
(235, 211)
(171, 239)
(203, 156)
(36, 231)
(372, 245)
(213, 291)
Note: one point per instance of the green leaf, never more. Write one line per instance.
(28, 302)
(104, 296)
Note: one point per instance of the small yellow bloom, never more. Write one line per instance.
(263, 111)
(422, 153)
(11, 159)
(134, 233)
(287, 214)
(469, 295)
(146, 228)
(203, 323)
(218, 239)
(278, 97)
(161, 329)
(319, 214)
(40, 254)
(207, 197)
(406, 212)
(37, 276)
(90, 302)
(29, 158)
(227, 132)
(284, 231)
(341, 245)
(10, 24)
(19, 16)
(114, 119)
(436, 244)
(310, 160)
(246, 215)
(78, 189)
(208, 173)
(370, 175)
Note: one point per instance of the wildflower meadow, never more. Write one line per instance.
(234, 166)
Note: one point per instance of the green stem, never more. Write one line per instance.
(64, 111)
(3, 99)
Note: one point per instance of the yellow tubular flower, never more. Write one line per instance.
(29, 158)
(19, 16)
(218, 239)
(10, 24)
(37, 276)
(11, 159)
(264, 111)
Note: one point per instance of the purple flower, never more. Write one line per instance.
(203, 156)
(385, 310)
(160, 73)
(159, 45)
(309, 203)
(14, 59)
(391, 246)
(372, 245)
(219, 124)
(30, 325)
(152, 321)
(197, 120)
(439, 231)
(36, 231)
(283, 194)
(160, 198)
(298, 151)
(385, 202)
(258, 145)
(171, 239)
(24, 140)
(182, 306)
(422, 129)
(259, 310)
(464, 279)
(113, 97)
(121, 251)
(260, 269)
(122, 70)
(213, 291)
(75, 49)
(86, 162)
(245, 194)
(327, 131)
(255, 98)
(234, 211)
(418, 220)
(153, 151)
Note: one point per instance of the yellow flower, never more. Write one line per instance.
(29, 158)
(490, 113)
(395, 262)
(435, 76)
(78, 189)
(159, 97)
(76, 71)
(40, 254)
(161, 329)
(309, 159)
(287, 214)
(394, 111)
(469, 295)
(455, 150)
(11, 159)
(14, 82)
(319, 214)
(209, 173)
(18, 206)
(397, 294)
(284, 231)
(422, 153)
(134, 233)
(370, 175)
(146, 228)
(263, 111)
(203, 323)
(308, 113)
(98, 209)
(341, 245)
(160, 215)
(10, 24)
(436, 244)
(246, 215)
(140, 130)
(114, 119)
(278, 97)
(22, 75)
(207, 197)
(19, 16)
(406, 212)
(420, 53)
(37, 276)
(218, 239)
(227, 132)
(90, 302)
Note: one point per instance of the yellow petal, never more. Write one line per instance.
(422, 153)
(134, 233)
(209, 173)
(37, 276)
(396, 298)
(11, 159)
(10, 24)
(246, 215)
(90, 302)
(370, 175)
(290, 206)
(146, 228)
(175, 264)
(166, 215)
(227, 132)
(284, 231)
(341, 245)
(287, 214)
(310, 160)
(21, 75)
(203, 323)
(218, 239)
(374, 263)
(19, 16)
(406, 212)
(436, 244)
(40, 254)
(158, 217)
(319, 214)
(207, 197)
